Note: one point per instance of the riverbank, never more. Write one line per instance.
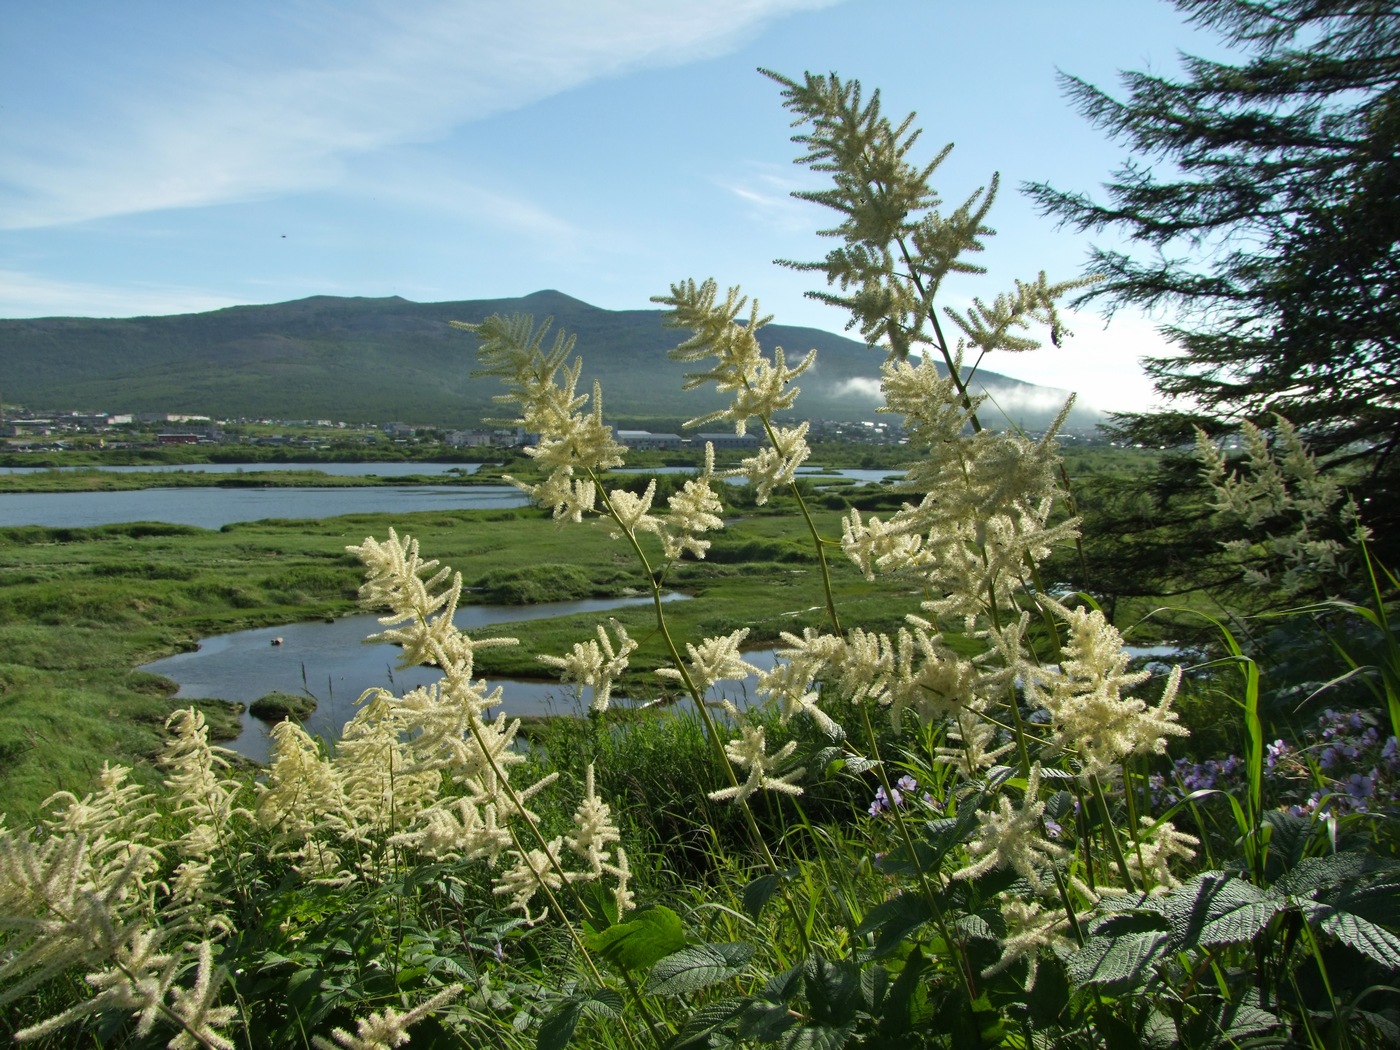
(95, 479)
(82, 608)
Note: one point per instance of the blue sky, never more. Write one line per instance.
(168, 157)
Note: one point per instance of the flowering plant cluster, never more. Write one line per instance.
(1022, 877)
(1340, 763)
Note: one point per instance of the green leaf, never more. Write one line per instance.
(698, 966)
(973, 927)
(558, 1028)
(604, 1002)
(893, 921)
(765, 1022)
(1207, 897)
(600, 906)
(759, 892)
(1116, 1033)
(818, 1037)
(698, 1031)
(1119, 963)
(1231, 1021)
(1379, 902)
(1318, 873)
(833, 989)
(906, 1002)
(1240, 925)
(639, 943)
(1374, 942)
(859, 763)
(1049, 998)
(783, 987)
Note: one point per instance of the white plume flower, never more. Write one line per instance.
(750, 751)
(1010, 837)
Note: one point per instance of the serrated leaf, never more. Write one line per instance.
(944, 834)
(833, 989)
(1384, 1026)
(1379, 902)
(698, 1031)
(1116, 1033)
(759, 892)
(698, 966)
(893, 921)
(1289, 835)
(1117, 964)
(1374, 942)
(638, 944)
(558, 1028)
(1204, 899)
(906, 1003)
(859, 763)
(1049, 998)
(1116, 924)
(604, 1002)
(874, 980)
(974, 927)
(1317, 873)
(818, 1037)
(1244, 1019)
(1240, 925)
(765, 1022)
(782, 987)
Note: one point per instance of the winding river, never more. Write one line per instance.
(333, 663)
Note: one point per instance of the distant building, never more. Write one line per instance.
(500, 437)
(645, 439)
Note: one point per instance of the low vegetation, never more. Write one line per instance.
(278, 707)
(956, 814)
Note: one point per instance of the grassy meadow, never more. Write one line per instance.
(81, 608)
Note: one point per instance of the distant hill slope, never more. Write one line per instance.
(372, 360)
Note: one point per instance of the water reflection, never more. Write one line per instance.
(336, 470)
(213, 508)
(333, 663)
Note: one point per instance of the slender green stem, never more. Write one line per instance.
(1134, 830)
(925, 887)
(1338, 1023)
(1111, 832)
(711, 729)
(818, 541)
(941, 341)
(518, 807)
(1069, 907)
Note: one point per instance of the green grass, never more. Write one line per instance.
(80, 608)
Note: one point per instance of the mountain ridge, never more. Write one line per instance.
(371, 359)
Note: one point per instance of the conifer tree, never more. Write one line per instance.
(1263, 204)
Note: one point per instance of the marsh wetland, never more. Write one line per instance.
(83, 609)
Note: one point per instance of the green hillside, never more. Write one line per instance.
(370, 360)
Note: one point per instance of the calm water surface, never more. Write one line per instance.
(338, 470)
(333, 662)
(213, 508)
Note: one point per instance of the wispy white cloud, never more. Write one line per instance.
(330, 84)
(766, 193)
(859, 386)
(28, 295)
(1014, 400)
(420, 182)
